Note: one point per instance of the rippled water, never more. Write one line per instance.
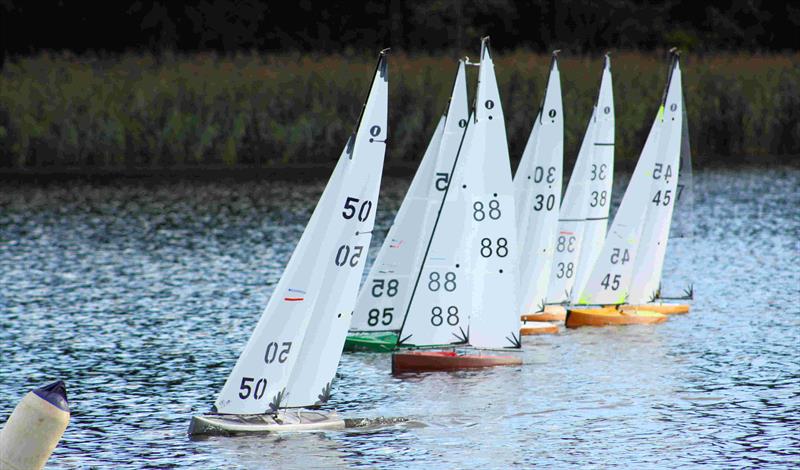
(140, 296)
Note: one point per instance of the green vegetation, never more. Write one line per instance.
(202, 110)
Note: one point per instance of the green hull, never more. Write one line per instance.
(385, 342)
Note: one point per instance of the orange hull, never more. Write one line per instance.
(538, 328)
(425, 361)
(607, 316)
(550, 313)
(666, 309)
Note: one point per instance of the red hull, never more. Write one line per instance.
(424, 361)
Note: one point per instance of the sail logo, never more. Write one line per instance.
(294, 295)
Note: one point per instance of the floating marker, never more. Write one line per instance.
(34, 428)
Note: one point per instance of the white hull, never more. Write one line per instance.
(283, 421)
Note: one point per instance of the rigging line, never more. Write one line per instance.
(604, 144)
(433, 231)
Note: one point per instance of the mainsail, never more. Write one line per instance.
(537, 193)
(653, 244)
(466, 286)
(385, 294)
(583, 217)
(633, 245)
(292, 354)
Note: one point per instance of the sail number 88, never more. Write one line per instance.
(479, 211)
(501, 250)
(438, 319)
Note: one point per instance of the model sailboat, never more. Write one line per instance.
(635, 246)
(680, 232)
(291, 358)
(465, 288)
(583, 217)
(537, 193)
(384, 296)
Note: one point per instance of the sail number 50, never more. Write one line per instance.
(343, 254)
(351, 208)
(246, 389)
(271, 352)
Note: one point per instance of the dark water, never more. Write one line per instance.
(141, 295)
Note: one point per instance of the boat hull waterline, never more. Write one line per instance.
(371, 343)
(665, 309)
(610, 316)
(550, 313)
(430, 361)
(538, 328)
(283, 421)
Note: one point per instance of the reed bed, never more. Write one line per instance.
(204, 110)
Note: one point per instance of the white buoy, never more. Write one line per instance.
(34, 428)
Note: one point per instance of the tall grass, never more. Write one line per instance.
(258, 110)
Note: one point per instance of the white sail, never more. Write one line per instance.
(601, 178)
(611, 277)
(537, 192)
(655, 233)
(319, 283)
(466, 288)
(676, 277)
(384, 296)
(572, 220)
(584, 211)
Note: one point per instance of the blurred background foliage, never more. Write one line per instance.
(273, 109)
(242, 83)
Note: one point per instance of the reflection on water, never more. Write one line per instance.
(141, 295)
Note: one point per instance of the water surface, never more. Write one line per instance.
(141, 294)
